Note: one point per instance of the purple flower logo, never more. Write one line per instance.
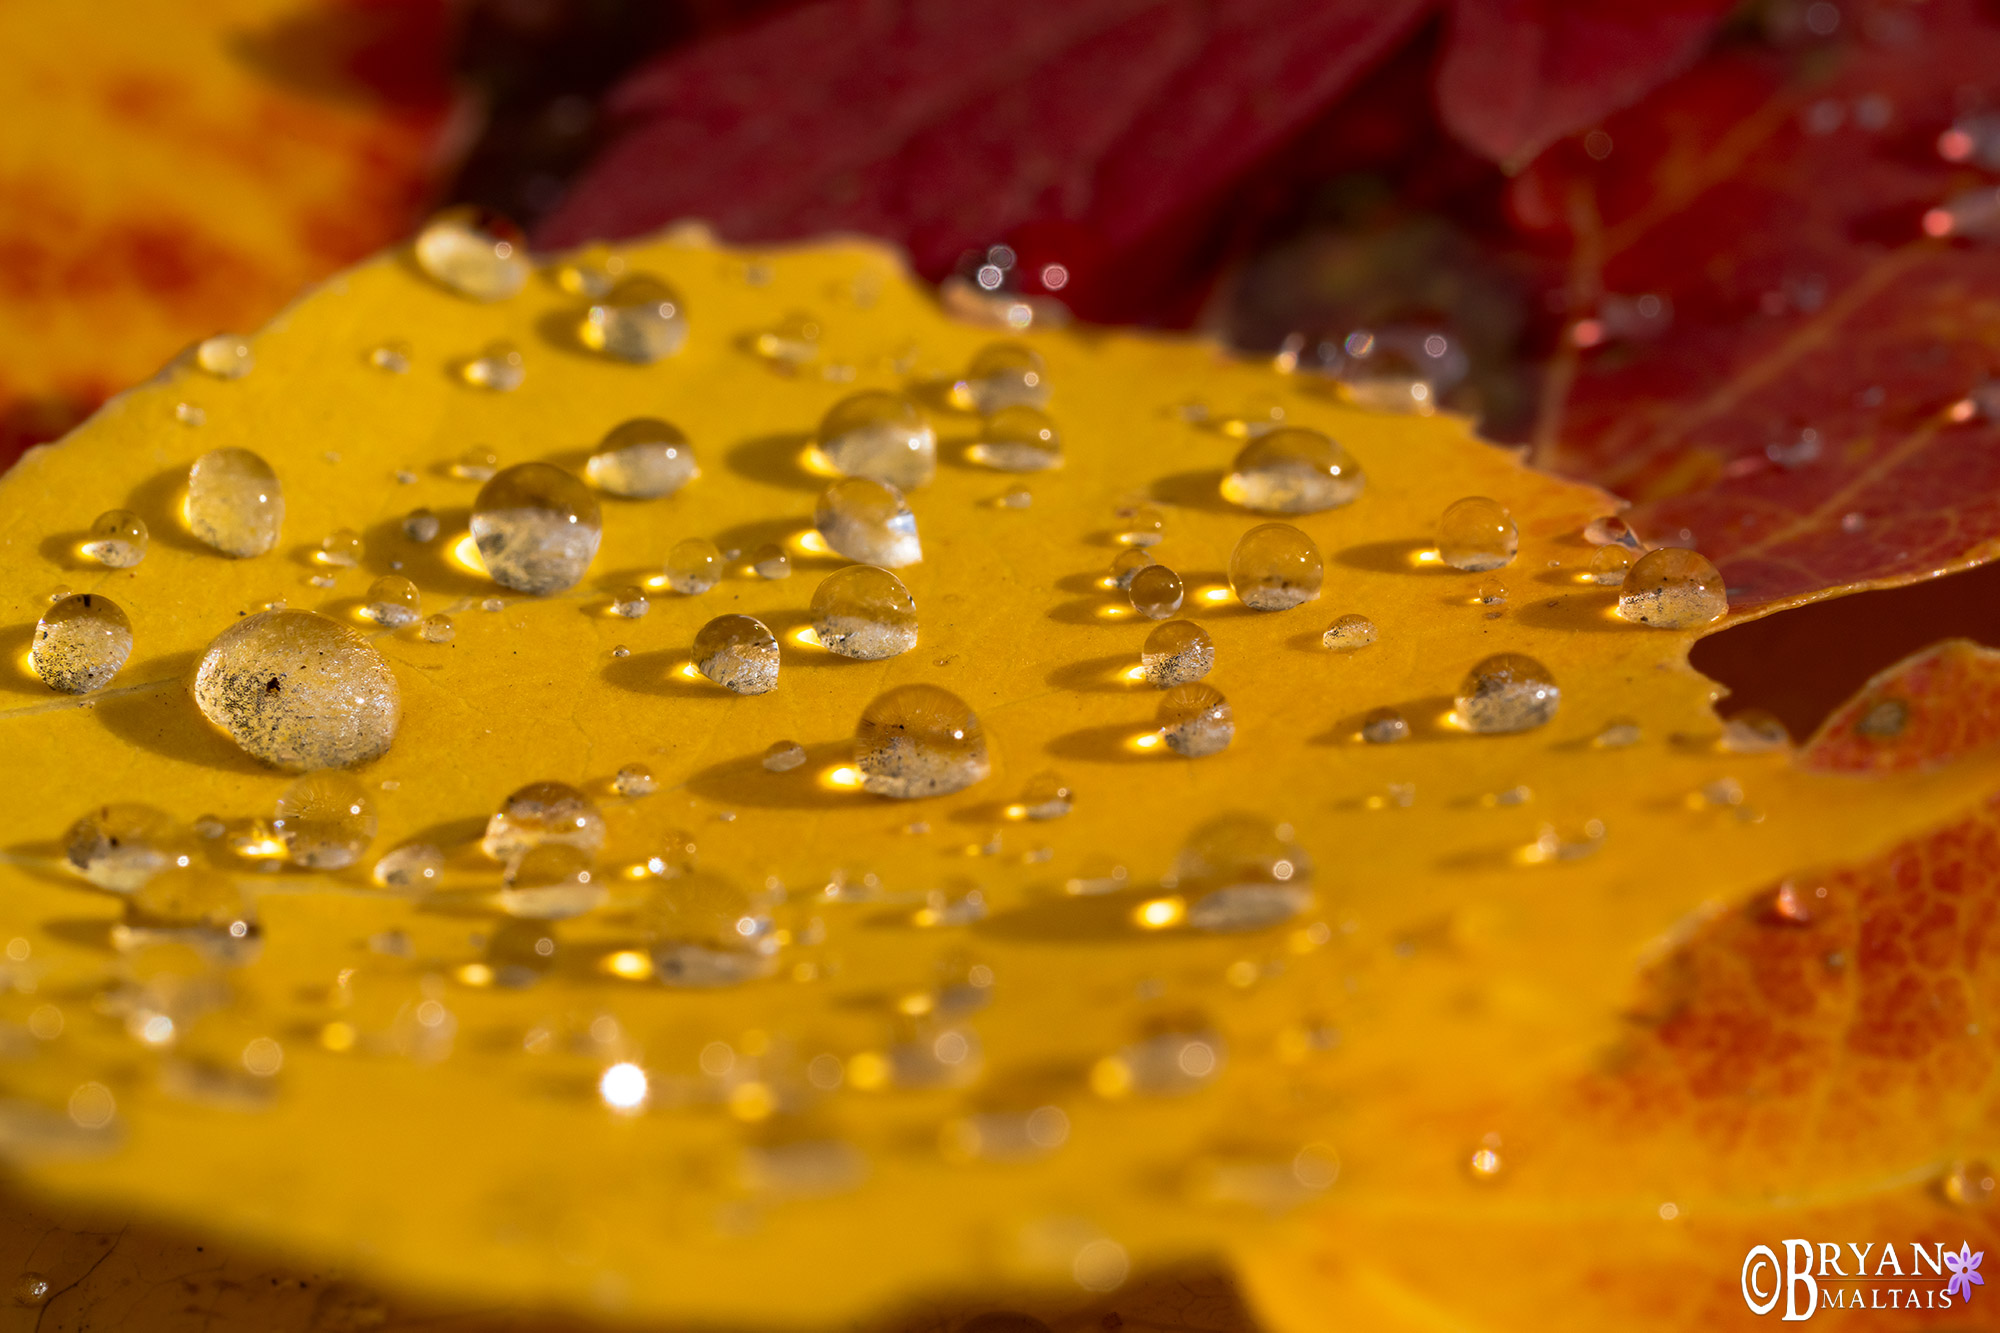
(1964, 1268)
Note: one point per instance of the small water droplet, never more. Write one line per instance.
(868, 521)
(537, 528)
(543, 812)
(1611, 530)
(235, 502)
(1176, 653)
(1384, 726)
(919, 740)
(784, 756)
(1195, 720)
(474, 252)
(392, 602)
(634, 780)
(1017, 439)
(81, 643)
(1156, 592)
(477, 463)
(1617, 735)
(1673, 588)
(641, 319)
(630, 602)
(499, 367)
(325, 820)
(642, 459)
(1141, 525)
(1349, 633)
(188, 898)
(864, 612)
(1170, 1063)
(880, 435)
(121, 846)
(1016, 497)
(392, 357)
(552, 881)
(706, 930)
(1609, 566)
(1485, 1164)
(620, 651)
(693, 566)
(225, 356)
(1970, 1184)
(769, 561)
(117, 539)
(31, 1289)
(1292, 470)
(1276, 567)
(1127, 564)
(1046, 796)
(790, 343)
(189, 415)
(1002, 375)
(421, 525)
(415, 865)
(1477, 534)
(1490, 594)
(299, 691)
(1756, 731)
(438, 629)
(1243, 872)
(738, 653)
(1507, 692)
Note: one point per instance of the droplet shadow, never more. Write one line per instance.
(158, 501)
(1092, 919)
(61, 550)
(1098, 675)
(658, 673)
(165, 722)
(776, 460)
(427, 564)
(1586, 609)
(1397, 557)
(1427, 718)
(1197, 490)
(745, 781)
(557, 328)
(16, 676)
(1106, 745)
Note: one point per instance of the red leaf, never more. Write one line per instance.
(1106, 128)
(1519, 74)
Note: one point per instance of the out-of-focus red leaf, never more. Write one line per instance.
(1519, 74)
(1786, 405)
(1110, 131)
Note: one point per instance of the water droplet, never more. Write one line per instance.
(792, 342)
(1477, 534)
(738, 653)
(117, 539)
(864, 612)
(225, 356)
(392, 357)
(543, 812)
(1046, 796)
(1156, 592)
(1348, 633)
(1971, 213)
(694, 566)
(299, 691)
(1611, 530)
(919, 740)
(1616, 735)
(121, 846)
(31, 1289)
(1673, 588)
(499, 367)
(708, 931)
(784, 756)
(1195, 720)
(1005, 1136)
(1127, 564)
(81, 643)
(537, 528)
(769, 561)
(550, 882)
(1176, 653)
(421, 525)
(235, 502)
(325, 820)
(1002, 375)
(1970, 1184)
(438, 629)
(1756, 731)
(1242, 872)
(1384, 726)
(189, 415)
(188, 898)
(1275, 567)
(1507, 692)
(1017, 439)
(642, 459)
(1141, 525)
(1292, 470)
(630, 602)
(1167, 1064)
(1490, 594)
(641, 319)
(474, 252)
(882, 436)
(868, 521)
(1609, 565)
(1485, 1163)
(416, 865)
(477, 463)
(392, 602)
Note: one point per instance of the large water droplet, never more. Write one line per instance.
(235, 502)
(738, 653)
(1156, 592)
(1275, 567)
(1243, 872)
(707, 931)
(1176, 653)
(694, 566)
(299, 691)
(117, 539)
(325, 820)
(1507, 692)
(1292, 470)
(919, 740)
(392, 602)
(1001, 375)
(641, 319)
(1673, 588)
(864, 612)
(543, 812)
(121, 846)
(81, 643)
(868, 521)
(474, 252)
(1349, 633)
(880, 435)
(1195, 720)
(1477, 534)
(537, 528)
(1017, 439)
(642, 459)
(552, 881)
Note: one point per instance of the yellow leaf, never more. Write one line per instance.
(860, 1127)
